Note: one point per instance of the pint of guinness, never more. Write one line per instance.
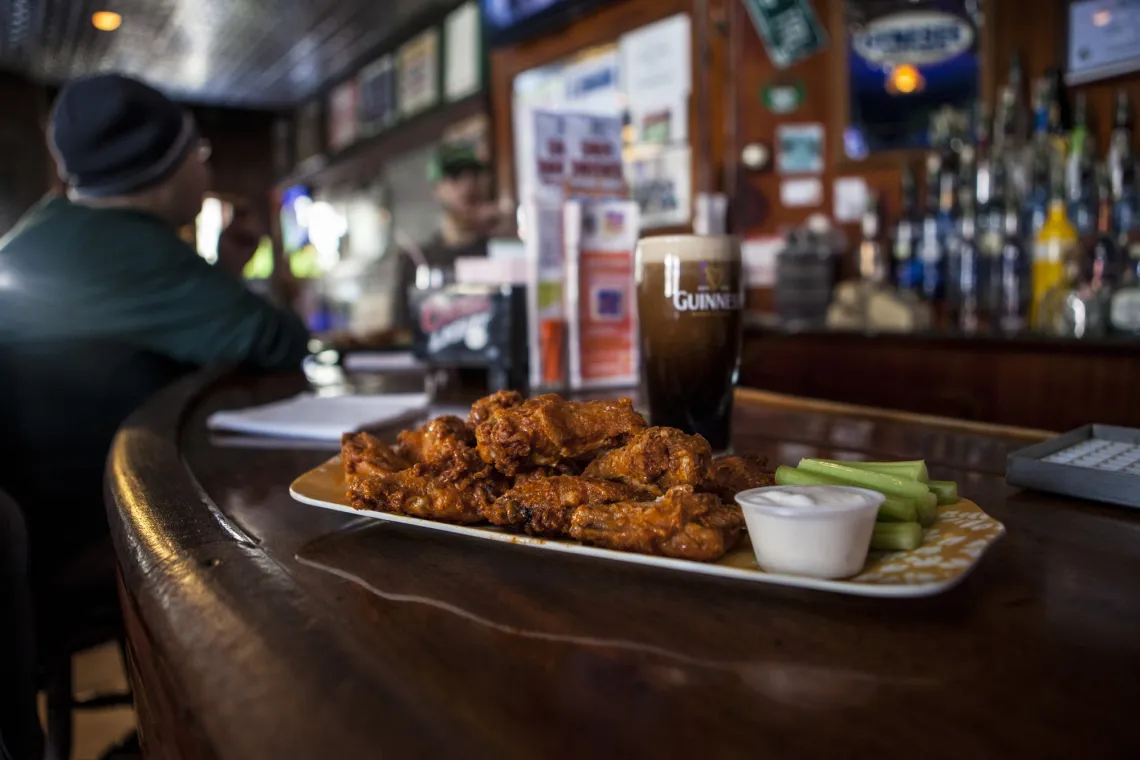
(690, 299)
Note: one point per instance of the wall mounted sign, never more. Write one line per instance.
(801, 193)
(419, 73)
(799, 148)
(1104, 39)
(656, 70)
(378, 95)
(782, 97)
(789, 29)
(462, 39)
(905, 61)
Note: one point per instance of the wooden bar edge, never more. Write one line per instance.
(752, 395)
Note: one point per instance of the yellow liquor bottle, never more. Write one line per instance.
(1055, 245)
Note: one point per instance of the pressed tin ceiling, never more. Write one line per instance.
(255, 53)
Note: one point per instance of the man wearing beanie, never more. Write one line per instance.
(101, 302)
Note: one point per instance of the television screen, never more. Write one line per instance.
(514, 20)
(296, 203)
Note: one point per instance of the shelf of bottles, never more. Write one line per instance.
(1025, 225)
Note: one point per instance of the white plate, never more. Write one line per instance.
(953, 546)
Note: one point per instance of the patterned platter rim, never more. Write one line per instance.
(953, 547)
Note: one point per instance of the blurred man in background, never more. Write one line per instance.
(101, 302)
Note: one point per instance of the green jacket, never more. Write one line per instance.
(69, 272)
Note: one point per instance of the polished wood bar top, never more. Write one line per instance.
(263, 628)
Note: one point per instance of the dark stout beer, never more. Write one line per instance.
(689, 300)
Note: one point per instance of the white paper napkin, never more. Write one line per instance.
(322, 418)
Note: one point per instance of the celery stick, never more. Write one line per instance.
(790, 476)
(945, 490)
(927, 508)
(896, 537)
(894, 509)
(888, 484)
(915, 470)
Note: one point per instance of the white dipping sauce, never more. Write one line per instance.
(819, 531)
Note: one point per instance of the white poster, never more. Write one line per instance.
(850, 199)
(419, 73)
(462, 40)
(801, 193)
(660, 180)
(656, 63)
(593, 83)
(593, 154)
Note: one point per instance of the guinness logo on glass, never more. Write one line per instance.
(714, 275)
(712, 294)
(924, 37)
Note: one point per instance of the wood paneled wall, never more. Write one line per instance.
(1034, 28)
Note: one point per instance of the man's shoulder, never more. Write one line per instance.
(61, 229)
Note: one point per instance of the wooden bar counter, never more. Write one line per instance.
(262, 628)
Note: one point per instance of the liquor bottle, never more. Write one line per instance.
(908, 265)
(1054, 250)
(1124, 307)
(958, 193)
(1011, 290)
(1075, 307)
(1010, 119)
(1060, 117)
(931, 253)
(992, 228)
(1040, 160)
(1105, 261)
(1080, 171)
(873, 264)
(967, 303)
(1120, 162)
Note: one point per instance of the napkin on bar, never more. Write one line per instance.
(322, 418)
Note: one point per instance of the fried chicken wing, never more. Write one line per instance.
(482, 409)
(433, 473)
(543, 506)
(548, 430)
(681, 524)
(417, 492)
(733, 474)
(364, 454)
(658, 458)
(446, 444)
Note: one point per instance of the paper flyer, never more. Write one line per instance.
(593, 154)
(660, 180)
(575, 155)
(601, 237)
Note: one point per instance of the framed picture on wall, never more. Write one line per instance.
(463, 52)
(906, 62)
(377, 106)
(342, 115)
(419, 73)
(1104, 39)
(310, 131)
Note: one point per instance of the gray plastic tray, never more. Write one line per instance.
(1098, 462)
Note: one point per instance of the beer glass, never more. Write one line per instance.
(690, 299)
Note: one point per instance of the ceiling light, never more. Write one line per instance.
(106, 21)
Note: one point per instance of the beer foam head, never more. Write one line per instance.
(688, 248)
